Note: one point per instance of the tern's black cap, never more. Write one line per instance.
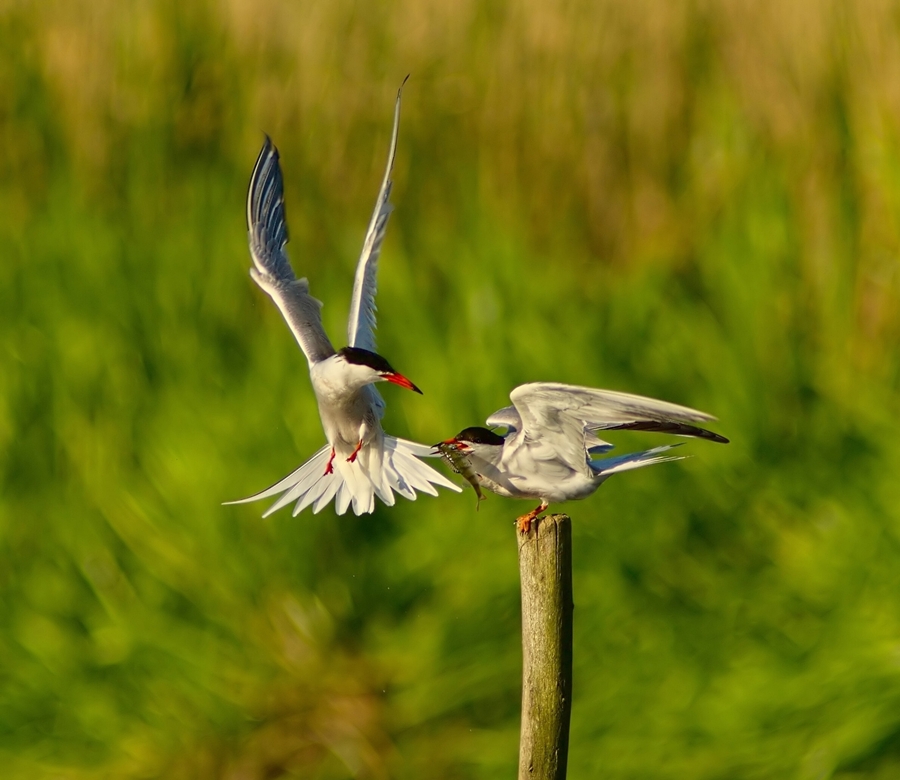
(477, 435)
(363, 357)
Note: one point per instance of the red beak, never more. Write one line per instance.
(399, 379)
(453, 444)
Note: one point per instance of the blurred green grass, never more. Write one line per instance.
(695, 201)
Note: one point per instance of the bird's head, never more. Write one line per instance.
(471, 440)
(366, 367)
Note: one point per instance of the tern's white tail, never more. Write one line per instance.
(635, 460)
(398, 469)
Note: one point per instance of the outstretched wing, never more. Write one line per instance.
(564, 414)
(361, 324)
(272, 270)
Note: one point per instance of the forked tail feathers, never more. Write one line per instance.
(356, 484)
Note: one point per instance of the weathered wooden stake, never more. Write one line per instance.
(545, 570)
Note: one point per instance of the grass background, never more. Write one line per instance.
(695, 200)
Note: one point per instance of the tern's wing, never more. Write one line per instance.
(361, 324)
(272, 271)
(506, 417)
(559, 415)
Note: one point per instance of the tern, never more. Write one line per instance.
(360, 460)
(548, 449)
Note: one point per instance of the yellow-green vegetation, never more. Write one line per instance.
(693, 200)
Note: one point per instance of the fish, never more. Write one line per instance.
(461, 465)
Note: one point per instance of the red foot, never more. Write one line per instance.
(352, 458)
(524, 522)
(330, 468)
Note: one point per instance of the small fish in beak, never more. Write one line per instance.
(451, 452)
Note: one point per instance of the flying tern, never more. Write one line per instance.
(360, 460)
(549, 447)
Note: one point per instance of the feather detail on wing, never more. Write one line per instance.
(663, 426)
(553, 405)
(635, 460)
(395, 468)
(507, 417)
(268, 235)
(266, 221)
(361, 323)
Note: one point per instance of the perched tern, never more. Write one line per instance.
(548, 449)
(360, 461)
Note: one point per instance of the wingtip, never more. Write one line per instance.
(400, 90)
(269, 146)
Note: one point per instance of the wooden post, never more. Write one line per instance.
(545, 570)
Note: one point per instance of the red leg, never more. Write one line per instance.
(329, 468)
(524, 522)
(352, 458)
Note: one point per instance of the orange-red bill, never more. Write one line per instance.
(402, 381)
